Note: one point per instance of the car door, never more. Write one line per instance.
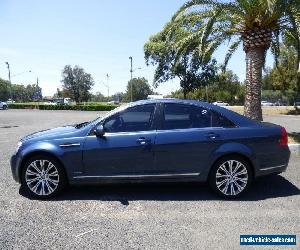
(126, 147)
(186, 139)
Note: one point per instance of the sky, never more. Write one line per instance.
(44, 36)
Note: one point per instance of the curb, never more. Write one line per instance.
(295, 148)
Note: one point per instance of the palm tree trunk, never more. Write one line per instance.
(255, 58)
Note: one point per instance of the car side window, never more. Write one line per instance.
(219, 120)
(133, 119)
(180, 116)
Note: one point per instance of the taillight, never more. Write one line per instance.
(284, 138)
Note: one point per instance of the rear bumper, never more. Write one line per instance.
(278, 167)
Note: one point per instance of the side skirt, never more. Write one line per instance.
(186, 177)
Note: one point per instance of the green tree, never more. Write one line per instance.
(19, 92)
(34, 92)
(77, 83)
(140, 89)
(60, 93)
(98, 97)
(191, 67)
(284, 72)
(257, 24)
(118, 97)
(226, 88)
(282, 79)
(5, 88)
(292, 38)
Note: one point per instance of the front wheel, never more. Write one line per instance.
(43, 177)
(231, 177)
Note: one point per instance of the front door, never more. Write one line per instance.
(126, 148)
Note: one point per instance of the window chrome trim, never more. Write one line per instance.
(190, 129)
(127, 133)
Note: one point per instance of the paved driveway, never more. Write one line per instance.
(181, 216)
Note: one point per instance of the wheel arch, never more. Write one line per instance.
(234, 154)
(40, 153)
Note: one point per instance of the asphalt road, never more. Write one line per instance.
(185, 216)
(290, 122)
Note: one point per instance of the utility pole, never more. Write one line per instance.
(131, 71)
(106, 85)
(8, 68)
(107, 77)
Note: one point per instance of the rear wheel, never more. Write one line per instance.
(43, 177)
(4, 107)
(231, 177)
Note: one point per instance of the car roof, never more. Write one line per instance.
(238, 119)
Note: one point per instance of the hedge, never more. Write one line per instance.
(93, 107)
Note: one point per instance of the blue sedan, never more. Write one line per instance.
(153, 140)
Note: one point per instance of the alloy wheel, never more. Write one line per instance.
(42, 177)
(231, 177)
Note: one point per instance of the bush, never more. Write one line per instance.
(93, 107)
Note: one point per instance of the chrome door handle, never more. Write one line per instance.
(143, 141)
(212, 135)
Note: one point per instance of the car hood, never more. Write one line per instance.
(54, 133)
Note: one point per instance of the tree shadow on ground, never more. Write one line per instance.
(273, 186)
(295, 111)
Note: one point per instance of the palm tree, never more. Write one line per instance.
(256, 24)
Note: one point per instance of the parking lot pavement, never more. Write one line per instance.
(290, 122)
(161, 216)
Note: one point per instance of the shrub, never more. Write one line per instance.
(86, 107)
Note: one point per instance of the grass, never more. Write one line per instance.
(294, 138)
(280, 110)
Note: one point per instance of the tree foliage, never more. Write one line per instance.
(140, 89)
(77, 83)
(226, 87)
(255, 24)
(19, 92)
(191, 67)
(4, 90)
(281, 81)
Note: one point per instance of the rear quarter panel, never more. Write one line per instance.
(258, 143)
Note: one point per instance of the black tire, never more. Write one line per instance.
(238, 186)
(43, 185)
(4, 107)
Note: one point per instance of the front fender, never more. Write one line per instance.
(70, 158)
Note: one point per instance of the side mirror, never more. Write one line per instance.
(99, 130)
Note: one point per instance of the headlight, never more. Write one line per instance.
(18, 146)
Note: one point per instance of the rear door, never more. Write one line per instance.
(186, 139)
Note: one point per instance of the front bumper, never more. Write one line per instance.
(15, 167)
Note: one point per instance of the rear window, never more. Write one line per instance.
(218, 120)
(180, 116)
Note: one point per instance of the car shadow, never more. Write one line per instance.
(273, 186)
